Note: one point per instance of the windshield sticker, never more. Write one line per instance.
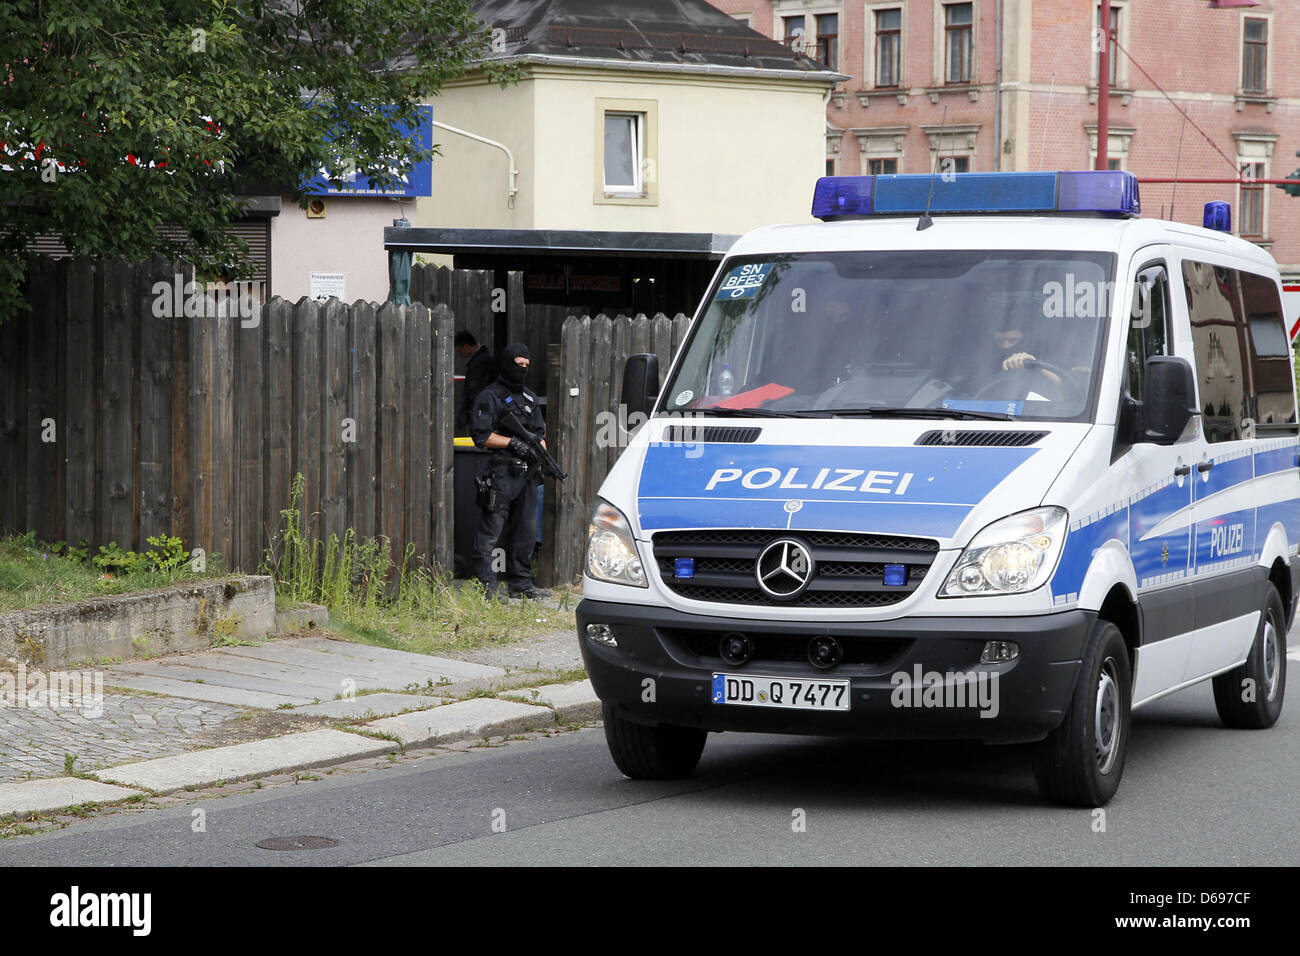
(743, 282)
(684, 396)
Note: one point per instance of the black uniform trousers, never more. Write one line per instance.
(516, 514)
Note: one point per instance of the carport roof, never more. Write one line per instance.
(559, 242)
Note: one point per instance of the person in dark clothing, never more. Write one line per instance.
(480, 369)
(512, 502)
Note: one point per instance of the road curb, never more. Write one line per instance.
(466, 720)
(260, 758)
(57, 793)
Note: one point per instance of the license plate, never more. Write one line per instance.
(751, 690)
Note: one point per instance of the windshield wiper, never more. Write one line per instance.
(759, 413)
(885, 411)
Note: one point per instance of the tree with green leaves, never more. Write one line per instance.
(121, 117)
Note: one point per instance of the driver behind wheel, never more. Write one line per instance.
(1007, 340)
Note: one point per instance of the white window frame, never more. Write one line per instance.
(1122, 34)
(1118, 141)
(1255, 148)
(870, 9)
(952, 140)
(645, 192)
(1270, 50)
(941, 45)
(879, 142)
(810, 10)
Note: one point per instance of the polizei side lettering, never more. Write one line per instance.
(854, 480)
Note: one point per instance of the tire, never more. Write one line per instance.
(1080, 763)
(665, 752)
(1262, 678)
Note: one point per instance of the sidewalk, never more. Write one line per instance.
(288, 704)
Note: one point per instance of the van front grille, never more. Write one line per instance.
(848, 571)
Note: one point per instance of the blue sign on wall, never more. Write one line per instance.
(417, 182)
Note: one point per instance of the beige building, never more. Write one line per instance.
(672, 122)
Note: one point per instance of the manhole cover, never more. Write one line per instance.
(296, 843)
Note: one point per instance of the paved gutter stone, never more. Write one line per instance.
(364, 672)
(35, 796)
(216, 693)
(468, 719)
(574, 703)
(315, 748)
(221, 678)
(428, 666)
(371, 705)
(325, 684)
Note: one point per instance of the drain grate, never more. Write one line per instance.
(296, 843)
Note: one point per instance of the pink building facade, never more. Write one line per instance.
(933, 84)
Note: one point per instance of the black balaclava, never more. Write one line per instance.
(510, 374)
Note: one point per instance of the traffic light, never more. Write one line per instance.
(1291, 189)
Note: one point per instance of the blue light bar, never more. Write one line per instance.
(1218, 216)
(1105, 192)
(843, 196)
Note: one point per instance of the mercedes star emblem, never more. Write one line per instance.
(784, 569)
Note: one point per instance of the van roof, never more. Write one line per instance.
(1072, 233)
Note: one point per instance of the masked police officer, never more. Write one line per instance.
(511, 499)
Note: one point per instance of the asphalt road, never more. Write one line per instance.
(1193, 793)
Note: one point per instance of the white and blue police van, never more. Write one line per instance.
(982, 457)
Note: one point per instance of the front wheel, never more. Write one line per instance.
(1250, 696)
(1080, 763)
(665, 752)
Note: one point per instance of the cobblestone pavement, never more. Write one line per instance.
(35, 740)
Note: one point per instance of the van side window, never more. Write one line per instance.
(1148, 331)
(1226, 366)
(1271, 376)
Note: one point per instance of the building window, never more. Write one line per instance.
(626, 151)
(828, 32)
(889, 32)
(1114, 35)
(794, 34)
(1254, 55)
(882, 167)
(1251, 223)
(958, 26)
(624, 137)
(830, 167)
(954, 164)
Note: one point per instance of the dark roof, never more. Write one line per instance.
(560, 242)
(632, 31)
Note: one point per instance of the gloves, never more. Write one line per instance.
(521, 451)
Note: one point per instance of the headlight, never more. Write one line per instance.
(1010, 556)
(611, 552)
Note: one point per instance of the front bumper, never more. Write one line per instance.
(888, 665)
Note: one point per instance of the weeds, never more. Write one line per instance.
(400, 604)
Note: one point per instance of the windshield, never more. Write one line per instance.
(998, 334)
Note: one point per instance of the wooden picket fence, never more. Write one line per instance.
(587, 424)
(116, 424)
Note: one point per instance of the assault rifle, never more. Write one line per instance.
(509, 423)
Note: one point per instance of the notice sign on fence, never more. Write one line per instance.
(326, 284)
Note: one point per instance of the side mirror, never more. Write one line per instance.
(1170, 401)
(640, 383)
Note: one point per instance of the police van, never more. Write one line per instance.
(983, 457)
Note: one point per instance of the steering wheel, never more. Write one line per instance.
(1068, 389)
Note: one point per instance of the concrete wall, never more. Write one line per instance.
(350, 239)
(144, 624)
(729, 155)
